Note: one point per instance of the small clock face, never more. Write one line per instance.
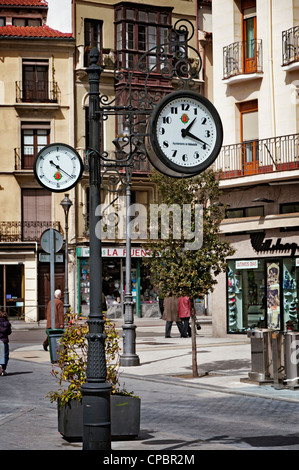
(58, 167)
(185, 132)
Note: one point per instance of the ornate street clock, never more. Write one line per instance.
(185, 134)
(58, 167)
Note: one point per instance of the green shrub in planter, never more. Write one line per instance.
(70, 371)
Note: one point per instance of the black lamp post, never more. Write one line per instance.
(66, 204)
(96, 391)
(128, 357)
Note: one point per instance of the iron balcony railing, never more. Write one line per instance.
(41, 91)
(290, 45)
(242, 58)
(259, 156)
(24, 158)
(26, 231)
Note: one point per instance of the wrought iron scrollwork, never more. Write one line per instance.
(133, 102)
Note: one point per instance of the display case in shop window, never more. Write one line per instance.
(290, 291)
(246, 296)
(263, 293)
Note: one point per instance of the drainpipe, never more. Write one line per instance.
(271, 71)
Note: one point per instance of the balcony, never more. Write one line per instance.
(259, 156)
(16, 231)
(290, 48)
(41, 91)
(243, 60)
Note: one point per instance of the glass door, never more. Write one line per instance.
(249, 40)
(249, 137)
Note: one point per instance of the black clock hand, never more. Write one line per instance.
(58, 168)
(188, 134)
(185, 131)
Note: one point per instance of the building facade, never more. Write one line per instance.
(255, 78)
(37, 108)
(123, 32)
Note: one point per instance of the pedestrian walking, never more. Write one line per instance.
(184, 309)
(161, 305)
(59, 317)
(5, 331)
(171, 314)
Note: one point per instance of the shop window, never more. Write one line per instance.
(12, 289)
(255, 211)
(289, 208)
(144, 292)
(246, 295)
(34, 137)
(290, 286)
(262, 293)
(274, 309)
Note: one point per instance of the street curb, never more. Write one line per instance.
(216, 388)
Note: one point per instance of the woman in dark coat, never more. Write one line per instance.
(170, 314)
(5, 331)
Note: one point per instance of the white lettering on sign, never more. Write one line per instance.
(119, 252)
(247, 264)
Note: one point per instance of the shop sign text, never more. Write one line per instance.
(259, 245)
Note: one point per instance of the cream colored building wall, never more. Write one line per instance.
(61, 120)
(277, 112)
(275, 90)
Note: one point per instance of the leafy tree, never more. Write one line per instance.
(175, 268)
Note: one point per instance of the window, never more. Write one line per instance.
(36, 213)
(138, 30)
(262, 293)
(35, 81)
(26, 22)
(289, 208)
(34, 137)
(246, 291)
(255, 211)
(92, 38)
(249, 35)
(2, 21)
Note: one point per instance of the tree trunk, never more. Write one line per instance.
(193, 337)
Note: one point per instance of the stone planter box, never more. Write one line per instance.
(125, 418)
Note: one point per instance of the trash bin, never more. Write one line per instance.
(291, 353)
(54, 335)
(260, 355)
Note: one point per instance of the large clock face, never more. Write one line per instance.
(58, 167)
(185, 134)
